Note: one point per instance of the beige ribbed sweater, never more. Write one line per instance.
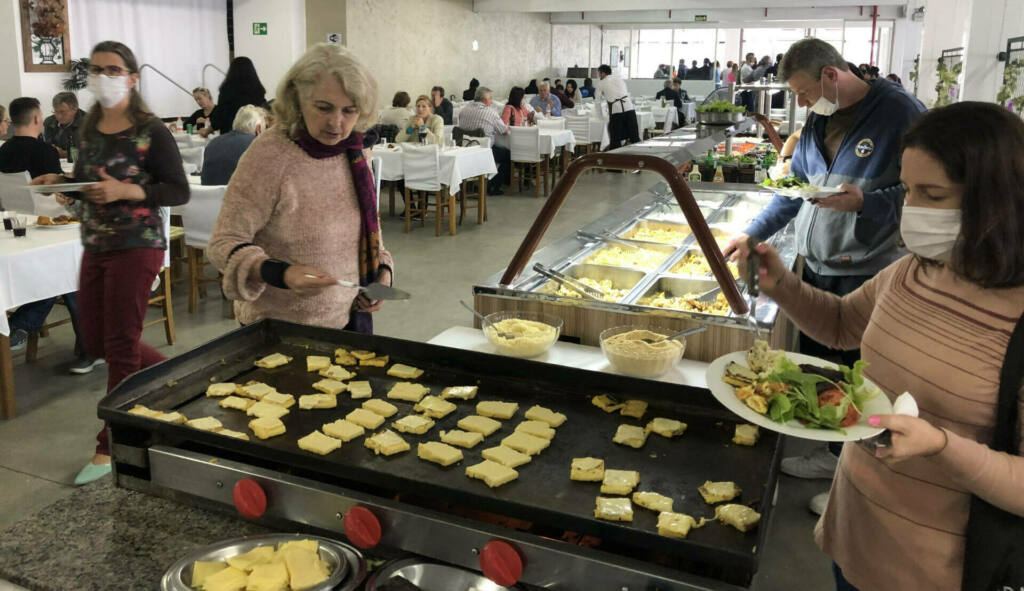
(297, 209)
(924, 331)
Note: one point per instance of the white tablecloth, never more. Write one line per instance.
(457, 164)
(41, 265)
(667, 116)
(550, 141)
(686, 372)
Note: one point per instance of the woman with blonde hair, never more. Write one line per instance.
(201, 117)
(424, 122)
(300, 212)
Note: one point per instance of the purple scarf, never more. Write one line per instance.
(369, 220)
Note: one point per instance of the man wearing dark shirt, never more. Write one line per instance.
(61, 129)
(26, 152)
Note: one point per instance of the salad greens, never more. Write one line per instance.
(800, 400)
(790, 182)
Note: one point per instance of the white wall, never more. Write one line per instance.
(413, 45)
(284, 43)
(990, 26)
(574, 45)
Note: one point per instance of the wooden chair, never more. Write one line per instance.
(524, 145)
(198, 217)
(422, 171)
(162, 299)
(580, 127)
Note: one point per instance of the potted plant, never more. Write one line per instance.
(745, 169)
(79, 77)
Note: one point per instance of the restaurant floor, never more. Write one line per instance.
(53, 435)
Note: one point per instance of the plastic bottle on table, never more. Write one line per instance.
(177, 124)
(719, 175)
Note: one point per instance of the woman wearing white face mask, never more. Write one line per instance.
(136, 167)
(937, 324)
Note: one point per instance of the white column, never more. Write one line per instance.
(991, 23)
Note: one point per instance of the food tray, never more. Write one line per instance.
(621, 277)
(345, 562)
(656, 225)
(543, 494)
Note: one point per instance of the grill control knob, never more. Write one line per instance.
(362, 527)
(501, 563)
(250, 500)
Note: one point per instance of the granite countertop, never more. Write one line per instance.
(104, 538)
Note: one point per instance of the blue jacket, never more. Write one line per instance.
(221, 156)
(845, 243)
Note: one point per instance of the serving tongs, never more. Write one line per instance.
(607, 237)
(753, 283)
(572, 283)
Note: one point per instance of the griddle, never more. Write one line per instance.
(542, 494)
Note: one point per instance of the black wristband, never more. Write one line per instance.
(787, 158)
(272, 273)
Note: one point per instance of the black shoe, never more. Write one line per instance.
(85, 365)
(19, 338)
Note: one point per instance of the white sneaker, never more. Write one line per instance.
(819, 463)
(818, 503)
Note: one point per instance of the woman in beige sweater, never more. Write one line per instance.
(301, 210)
(935, 324)
(424, 118)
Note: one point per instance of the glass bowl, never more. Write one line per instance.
(635, 358)
(532, 333)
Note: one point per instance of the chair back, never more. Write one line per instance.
(199, 215)
(13, 195)
(556, 123)
(483, 141)
(525, 144)
(580, 128)
(193, 156)
(421, 167)
(458, 133)
(388, 132)
(376, 163)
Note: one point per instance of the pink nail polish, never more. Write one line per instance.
(874, 420)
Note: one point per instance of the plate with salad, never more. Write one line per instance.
(798, 395)
(792, 186)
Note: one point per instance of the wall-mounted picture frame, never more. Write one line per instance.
(45, 42)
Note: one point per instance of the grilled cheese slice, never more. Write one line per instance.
(415, 424)
(539, 413)
(653, 501)
(272, 576)
(343, 430)
(305, 569)
(381, 407)
(631, 436)
(677, 525)
(316, 401)
(718, 492)
(258, 555)
(175, 418)
(619, 482)
(360, 390)
(746, 435)
(606, 403)
(741, 517)
(497, 410)
(319, 443)
(526, 443)
(536, 428)
(666, 427)
(439, 453)
(205, 424)
(228, 579)
(460, 392)
(461, 438)
(329, 386)
(365, 418)
(282, 400)
(404, 372)
(434, 407)
(317, 362)
(236, 402)
(374, 362)
(265, 409)
(222, 389)
(506, 456)
(336, 372)
(267, 427)
(634, 408)
(587, 470)
(273, 360)
(386, 442)
(362, 355)
(201, 570)
(478, 424)
(144, 411)
(408, 391)
(613, 509)
(343, 357)
(255, 390)
(492, 473)
(235, 434)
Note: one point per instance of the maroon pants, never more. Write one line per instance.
(113, 295)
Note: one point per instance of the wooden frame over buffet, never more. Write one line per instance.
(45, 53)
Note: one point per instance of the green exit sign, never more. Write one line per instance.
(259, 28)
(701, 18)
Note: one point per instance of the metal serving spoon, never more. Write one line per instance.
(485, 320)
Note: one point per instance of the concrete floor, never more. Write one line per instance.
(53, 434)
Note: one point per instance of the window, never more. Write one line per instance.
(694, 45)
(654, 49)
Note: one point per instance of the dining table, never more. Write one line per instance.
(42, 264)
(457, 164)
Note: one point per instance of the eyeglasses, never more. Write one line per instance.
(109, 70)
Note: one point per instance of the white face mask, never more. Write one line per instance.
(929, 232)
(823, 106)
(108, 90)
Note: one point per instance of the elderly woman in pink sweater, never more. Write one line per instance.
(301, 209)
(936, 324)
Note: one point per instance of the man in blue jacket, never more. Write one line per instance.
(852, 141)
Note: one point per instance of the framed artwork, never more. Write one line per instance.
(44, 35)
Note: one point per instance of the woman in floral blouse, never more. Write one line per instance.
(137, 168)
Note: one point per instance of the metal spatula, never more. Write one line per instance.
(607, 238)
(374, 291)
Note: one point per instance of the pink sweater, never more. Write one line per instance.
(288, 206)
(924, 331)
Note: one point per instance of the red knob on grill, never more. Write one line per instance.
(250, 500)
(362, 527)
(501, 563)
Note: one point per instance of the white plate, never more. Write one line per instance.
(726, 394)
(806, 193)
(59, 187)
(57, 226)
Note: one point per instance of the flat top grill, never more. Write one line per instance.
(543, 493)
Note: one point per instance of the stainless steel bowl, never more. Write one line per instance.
(431, 576)
(715, 118)
(348, 569)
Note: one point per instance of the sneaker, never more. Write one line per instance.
(19, 338)
(819, 463)
(91, 472)
(85, 365)
(818, 503)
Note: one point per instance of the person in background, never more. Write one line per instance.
(622, 125)
(567, 103)
(469, 93)
(5, 123)
(26, 152)
(424, 121)
(133, 162)
(873, 74)
(691, 72)
(746, 97)
(442, 106)
(588, 90)
(863, 70)
(663, 71)
(572, 92)
(310, 167)
(773, 69)
(558, 85)
(223, 152)
(545, 102)
(479, 115)
(201, 117)
(682, 69)
(668, 93)
(935, 323)
(531, 88)
(241, 87)
(399, 112)
(716, 74)
(725, 75)
(894, 78)
(853, 141)
(60, 130)
(514, 114)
